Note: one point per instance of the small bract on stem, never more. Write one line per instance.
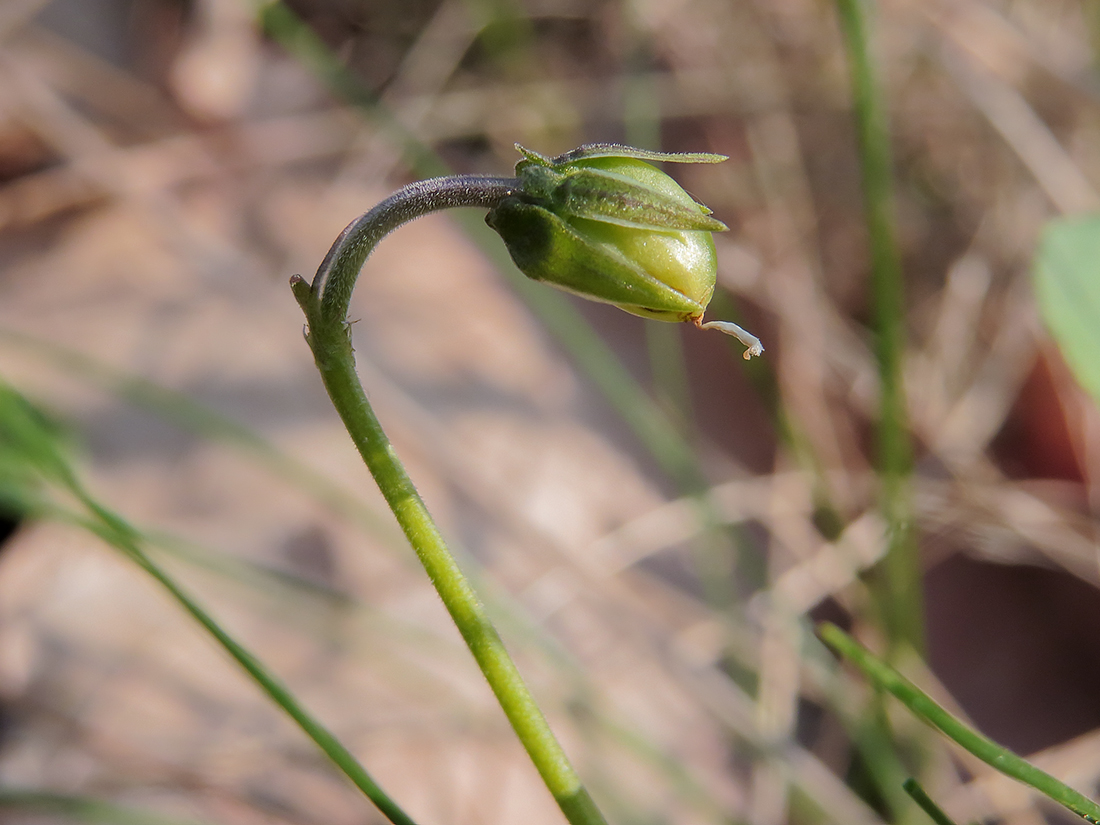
(599, 221)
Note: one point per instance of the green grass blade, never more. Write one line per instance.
(190, 416)
(118, 533)
(937, 814)
(80, 809)
(31, 449)
(899, 594)
(925, 708)
(284, 26)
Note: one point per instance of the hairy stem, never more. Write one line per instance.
(339, 271)
(325, 304)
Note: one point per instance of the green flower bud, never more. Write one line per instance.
(603, 223)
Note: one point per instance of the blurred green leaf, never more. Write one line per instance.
(80, 809)
(32, 450)
(1067, 283)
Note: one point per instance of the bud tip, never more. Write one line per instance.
(751, 342)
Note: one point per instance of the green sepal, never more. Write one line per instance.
(546, 248)
(531, 157)
(613, 187)
(616, 150)
(606, 196)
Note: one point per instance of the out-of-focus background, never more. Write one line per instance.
(166, 165)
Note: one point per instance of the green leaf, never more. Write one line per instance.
(1067, 284)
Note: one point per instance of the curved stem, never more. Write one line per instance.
(325, 304)
(336, 277)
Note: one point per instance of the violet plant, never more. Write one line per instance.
(600, 222)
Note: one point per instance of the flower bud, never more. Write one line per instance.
(603, 223)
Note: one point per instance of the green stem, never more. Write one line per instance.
(339, 271)
(325, 304)
(900, 597)
(923, 706)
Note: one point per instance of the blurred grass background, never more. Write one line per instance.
(167, 165)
